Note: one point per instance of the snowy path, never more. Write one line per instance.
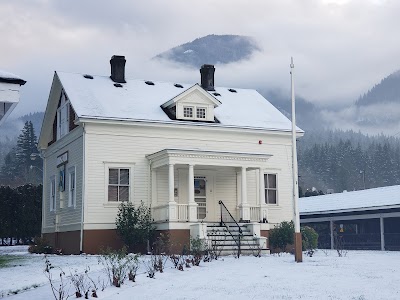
(360, 275)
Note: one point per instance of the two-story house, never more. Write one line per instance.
(180, 148)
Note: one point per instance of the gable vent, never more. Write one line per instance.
(87, 76)
(232, 90)
(178, 85)
(117, 85)
(216, 94)
(149, 82)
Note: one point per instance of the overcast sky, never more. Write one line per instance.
(341, 48)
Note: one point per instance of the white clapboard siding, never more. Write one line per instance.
(129, 144)
(69, 217)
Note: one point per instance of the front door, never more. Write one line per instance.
(200, 196)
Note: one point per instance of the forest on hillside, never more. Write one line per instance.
(347, 160)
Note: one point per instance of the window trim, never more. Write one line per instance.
(197, 113)
(273, 189)
(71, 170)
(52, 198)
(115, 165)
(193, 108)
(65, 103)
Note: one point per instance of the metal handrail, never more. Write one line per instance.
(223, 208)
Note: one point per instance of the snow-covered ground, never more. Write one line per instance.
(360, 275)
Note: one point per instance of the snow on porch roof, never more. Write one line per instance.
(377, 198)
(11, 78)
(99, 98)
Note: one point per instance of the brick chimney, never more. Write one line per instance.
(117, 63)
(207, 77)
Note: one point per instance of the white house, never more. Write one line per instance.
(180, 148)
(9, 93)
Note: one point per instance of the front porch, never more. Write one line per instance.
(186, 186)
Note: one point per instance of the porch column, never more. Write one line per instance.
(153, 188)
(244, 206)
(382, 227)
(192, 205)
(172, 207)
(261, 200)
(332, 237)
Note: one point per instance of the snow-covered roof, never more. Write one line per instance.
(98, 98)
(370, 199)
(10, 77)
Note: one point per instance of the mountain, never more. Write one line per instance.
(308, 115)
(387, 91)
(212, 49)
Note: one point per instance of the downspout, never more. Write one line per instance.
(83, 187)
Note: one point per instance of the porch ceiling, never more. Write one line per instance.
(207, 158)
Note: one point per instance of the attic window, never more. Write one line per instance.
(232, 90)
(188, 112)
(178, 85)
(87, 76)
(216, 94)
(149, 82)
(117, 85)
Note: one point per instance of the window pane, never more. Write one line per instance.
(271, 181)
(266, 181)
(72, 181)
(188, 112)
(124, 176)
(123, 193)
(112, 193)
(201, 113)
(271, 197)
(113, 176)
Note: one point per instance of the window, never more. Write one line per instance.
(63, 117)
(201, 112)
(53, 193)
(270, 188)
(187, 112)
(118, 184)
(72, 190)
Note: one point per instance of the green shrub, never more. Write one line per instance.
(282, 235)
(134, 225)
(40, 246)
(309, 238)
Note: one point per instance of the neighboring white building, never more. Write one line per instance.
(366, 219)
(9, 93)
(180, 148)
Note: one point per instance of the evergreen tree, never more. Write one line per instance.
(18, 167)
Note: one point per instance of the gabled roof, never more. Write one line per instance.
(196, 87)
(99, 98)
(371, 199)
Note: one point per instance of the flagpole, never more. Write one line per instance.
(297, 235)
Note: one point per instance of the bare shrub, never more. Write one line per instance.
(60, 290)
(133, 266)
(116, 264)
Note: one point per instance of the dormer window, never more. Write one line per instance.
(188, 112)
(194, 104)
(201, 112)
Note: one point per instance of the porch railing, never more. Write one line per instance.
(160, 213)
(183, 212)
(229, 221)
(255, 213)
